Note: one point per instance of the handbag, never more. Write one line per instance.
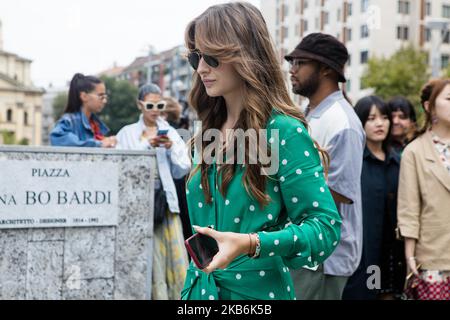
(160, 207)
(416, 288)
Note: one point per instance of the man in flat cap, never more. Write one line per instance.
(317, 67)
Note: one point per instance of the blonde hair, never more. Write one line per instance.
(236, 33)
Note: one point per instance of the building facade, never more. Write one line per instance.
(168, 69)
(369, 28)
(20, 101)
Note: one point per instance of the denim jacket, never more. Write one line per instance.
(173, 163)
(74, 130)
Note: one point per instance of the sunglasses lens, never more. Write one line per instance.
(149, 106)
(161, 106)
(211, 61)
(194, 59)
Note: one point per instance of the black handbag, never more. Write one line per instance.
(160, 207)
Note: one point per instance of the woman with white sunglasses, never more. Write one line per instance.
(152, 132)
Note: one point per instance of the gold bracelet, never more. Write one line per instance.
(250, 251)
(257, 247)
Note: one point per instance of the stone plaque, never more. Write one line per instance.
(48, 194)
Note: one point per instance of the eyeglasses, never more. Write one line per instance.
(101, 96)
(160, 106)
(194, 58)
(297, 62)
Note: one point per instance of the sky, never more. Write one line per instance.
(63, 37)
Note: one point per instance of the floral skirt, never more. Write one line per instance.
(170, 259)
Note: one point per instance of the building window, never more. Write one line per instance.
(285, 11)
(364, 5)
(348, 34)
(427, 34)
(364, 31)
(446, 11)
(9, 115)
(402, 32)
(445, 36)
(305, 4)
(305, 25)
(325, 18)
(285, 32)
(349, 62)
(403, 7)
(364, 56)
(349, 9)
(428, 8)
(25, 118)
(339, 15)
(444, 61)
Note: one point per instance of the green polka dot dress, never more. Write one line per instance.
(300, 226)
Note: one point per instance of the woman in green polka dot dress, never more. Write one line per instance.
(264, 223)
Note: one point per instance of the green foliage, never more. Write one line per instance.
(446, 73)
(59, 104)
(24, 142)
(8, 137)
(121, 108)
(403, 74)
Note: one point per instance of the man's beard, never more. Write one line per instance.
(309, 87)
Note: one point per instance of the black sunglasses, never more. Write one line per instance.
(195, 56)
(161, 106)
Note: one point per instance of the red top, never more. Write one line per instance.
(96, 129)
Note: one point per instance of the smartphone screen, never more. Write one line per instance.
(202, 249)
(162, 132)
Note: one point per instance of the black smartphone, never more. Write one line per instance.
(202, 249)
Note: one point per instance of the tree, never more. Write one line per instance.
(446, 72)
(403, 74)
(59, 104)
(24, 142)
(8, 137)
(121, 108)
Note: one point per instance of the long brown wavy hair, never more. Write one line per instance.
(236, 33)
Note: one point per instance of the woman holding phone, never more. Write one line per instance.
(263, 224)
(151, 132)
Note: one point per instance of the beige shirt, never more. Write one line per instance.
(424, 203)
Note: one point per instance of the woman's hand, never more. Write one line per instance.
(109, 142)
(412, 266)
(161, 140)
(410, 249)
(231, 245)
(154, 142)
